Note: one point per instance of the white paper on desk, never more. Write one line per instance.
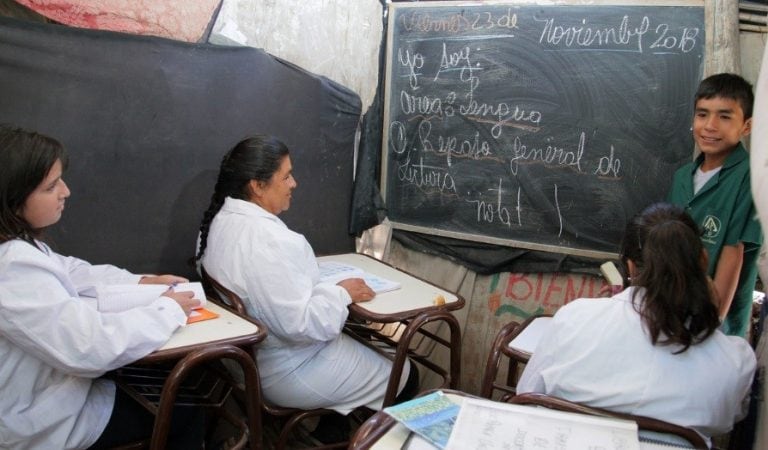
(333, 272)
(121, 297)
(529, 338)
(483, 424)
(417, 442)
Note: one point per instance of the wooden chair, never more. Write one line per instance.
(516, 342)
(220, 294)
(643, 423)
(293, 416)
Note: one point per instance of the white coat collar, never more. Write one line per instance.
(627, 294)
(236, 206)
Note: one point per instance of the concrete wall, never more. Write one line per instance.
(752, 46)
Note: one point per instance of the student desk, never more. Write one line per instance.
(413, 306)
(382, 432)
(189, 348)
(227, 329)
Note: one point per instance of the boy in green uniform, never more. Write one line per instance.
(715, 190)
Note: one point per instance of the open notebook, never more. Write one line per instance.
(439, 423)
(121, 297)
(333, 272)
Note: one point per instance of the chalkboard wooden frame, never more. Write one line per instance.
(442, 225)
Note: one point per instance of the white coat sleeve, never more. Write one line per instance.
(39, 315)
(281, 287)
(744, 379)
(544, 355)
(84, 274)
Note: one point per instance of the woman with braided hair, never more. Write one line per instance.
(305, 362)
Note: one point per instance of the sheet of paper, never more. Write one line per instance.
(333, 272)
(416, 442)
(531, 335)
(487, 425)
(380, 285)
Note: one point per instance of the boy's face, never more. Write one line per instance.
(719, 125)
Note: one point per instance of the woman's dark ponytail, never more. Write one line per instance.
(678, 308)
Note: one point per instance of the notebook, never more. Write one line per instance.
(333, 272)
(121, 297)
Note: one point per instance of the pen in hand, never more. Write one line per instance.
(185, 299)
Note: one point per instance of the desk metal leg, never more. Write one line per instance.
(415, 326)
(182, 369)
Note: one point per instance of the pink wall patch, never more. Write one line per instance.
(176, 19)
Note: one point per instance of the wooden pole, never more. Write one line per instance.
(722, 41)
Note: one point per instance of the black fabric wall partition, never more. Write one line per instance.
(146, 122)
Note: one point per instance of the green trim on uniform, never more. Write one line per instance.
(726, 214)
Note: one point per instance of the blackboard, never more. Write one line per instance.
(537, 126)
(146, 122)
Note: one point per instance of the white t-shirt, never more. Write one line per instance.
(700, 178)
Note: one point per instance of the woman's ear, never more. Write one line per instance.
(747, 128)
(255, 188)
(632, 268)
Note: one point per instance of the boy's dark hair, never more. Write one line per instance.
(728, 85)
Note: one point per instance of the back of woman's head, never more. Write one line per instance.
(663, 243)
(254, 158)
(26, 157)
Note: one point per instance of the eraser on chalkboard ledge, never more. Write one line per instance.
(612, 275)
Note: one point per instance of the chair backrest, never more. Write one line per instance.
(643, 423)
(219, 293)
(516, 356)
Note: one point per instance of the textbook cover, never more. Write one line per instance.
(431, 416)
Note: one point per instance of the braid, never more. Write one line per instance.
(217, 201)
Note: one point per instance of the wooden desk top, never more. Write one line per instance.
(415, 295)
(228, 328)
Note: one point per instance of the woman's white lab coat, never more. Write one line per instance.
(53, 346)
(305, 361)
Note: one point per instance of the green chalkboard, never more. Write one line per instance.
(539, 126)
